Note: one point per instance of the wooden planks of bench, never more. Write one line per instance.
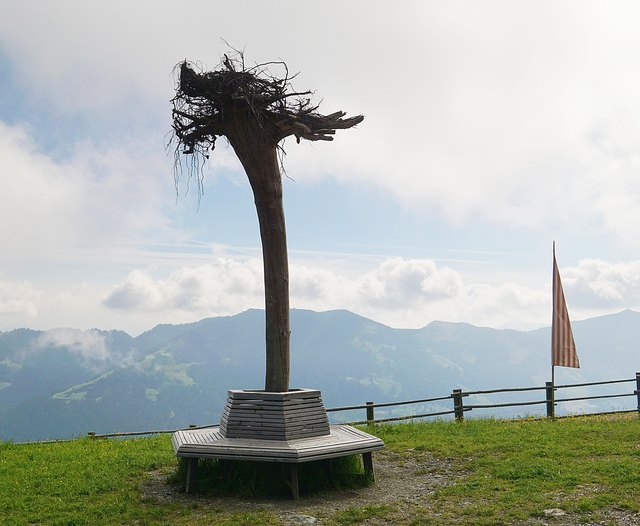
(342, 440)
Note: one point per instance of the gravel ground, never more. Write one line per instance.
(406, 481)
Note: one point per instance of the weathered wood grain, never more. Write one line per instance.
(342, 440)
(265, 415)
(210, 443)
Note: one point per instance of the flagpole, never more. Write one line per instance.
(553, 368)
(563, 346)
(553, 392)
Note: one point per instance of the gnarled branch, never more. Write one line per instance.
(206, 102)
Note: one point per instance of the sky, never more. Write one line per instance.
(491, 130)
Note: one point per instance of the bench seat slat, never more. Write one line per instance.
(343, 440)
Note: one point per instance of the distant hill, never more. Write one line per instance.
(66, 382)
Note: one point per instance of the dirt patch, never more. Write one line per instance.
(406, 480)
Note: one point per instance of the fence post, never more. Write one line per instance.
(458, 407)
(638, 390)
(551, 410)
(370, 415)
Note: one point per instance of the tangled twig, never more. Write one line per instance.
(205, 105)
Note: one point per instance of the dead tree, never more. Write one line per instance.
(255, 111)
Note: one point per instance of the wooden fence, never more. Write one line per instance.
(459, 407)
(457, 399)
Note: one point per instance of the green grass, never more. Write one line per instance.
(79, 482)
(506, 473)
(514, 470)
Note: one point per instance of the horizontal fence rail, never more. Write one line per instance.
(457, 396)
(458, 410)
(387, 404)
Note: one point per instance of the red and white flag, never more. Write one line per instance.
(563, 347)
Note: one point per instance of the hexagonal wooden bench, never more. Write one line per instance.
(289, 427)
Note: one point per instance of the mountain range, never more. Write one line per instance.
(65, 382)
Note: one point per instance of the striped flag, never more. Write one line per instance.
(563, 348)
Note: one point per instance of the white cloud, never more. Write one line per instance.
(598, 284)
(504, 305)
(91, 347)
(399, 292)
(18, 298)
(81, 57)
(400, 283)
(97, 198)
(522, 114)
(222, 287)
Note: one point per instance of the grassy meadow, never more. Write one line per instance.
(504, 472)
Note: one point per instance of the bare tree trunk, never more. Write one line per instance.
(276, 284)
(254, 110)
(257, 152)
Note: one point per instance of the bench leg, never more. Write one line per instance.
(367, 461)
(192, 473)
(329, 468)
(295, 489)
